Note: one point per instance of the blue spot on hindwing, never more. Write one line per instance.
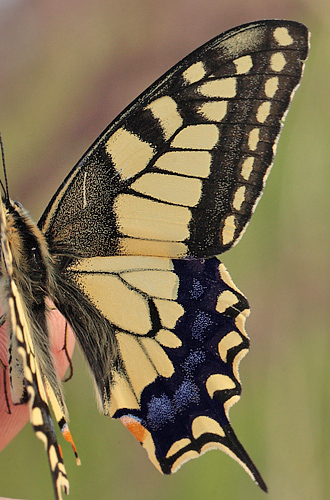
(201, 322)
(160, 412)
(185, 395)
(192, 361)
(197, 289)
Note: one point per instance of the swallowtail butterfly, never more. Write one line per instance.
(127, 251)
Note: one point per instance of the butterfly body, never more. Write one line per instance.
(127, 251)
(33, 273)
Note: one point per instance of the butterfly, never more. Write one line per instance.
(128, 247)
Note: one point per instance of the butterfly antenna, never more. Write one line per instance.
(4, 187)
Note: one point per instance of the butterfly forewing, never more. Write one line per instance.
(180, 171)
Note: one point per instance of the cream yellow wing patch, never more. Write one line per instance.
(138, 296)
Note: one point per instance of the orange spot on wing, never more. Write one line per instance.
(134, 426)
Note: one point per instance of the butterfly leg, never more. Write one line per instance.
(4, 368)
(68, 357)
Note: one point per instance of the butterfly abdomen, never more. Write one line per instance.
(33, 272)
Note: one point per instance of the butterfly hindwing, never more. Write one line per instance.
(179, 330)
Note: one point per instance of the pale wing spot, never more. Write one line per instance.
(238, 358)
(177, 446)
(240, 322)
(53, 460)
(145, 219)
(61, 467)
(230, 402)
(27, 335)
(274, 151)
(36, 417)
(123, 307)
(134, 246)
(138, 367)
(247, 167)
(219, 382)
(170, 188)
(232, 339)
(27, 371)
(271, 86)
(128, 152)
(211, 446)
(224, 88)
(19, 333)
(243, 64)
(283, 37)
(204, 425)
(263, 111)
(40, 435)
(225, 300)
(202, 136)
(30, 391)
(228, 230)
(61, 484)
(190, 163)
(225, 276)
(158, 357)
(187, 455)
(122, 396)
(120, 263)
(213, 111)
(194, 73)
(253, 139)
(168, 339)
(239, 198)
(160, 284)
(22, 352)
(165, 110)
(277, 61)
(169, 312)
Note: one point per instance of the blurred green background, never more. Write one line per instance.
(66, 70)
